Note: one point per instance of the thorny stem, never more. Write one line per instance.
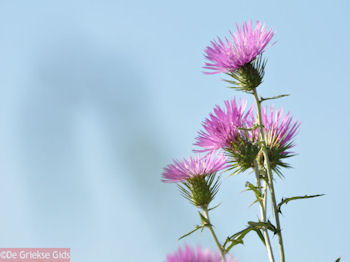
(210, 226)
(267, 166)
(263, 205)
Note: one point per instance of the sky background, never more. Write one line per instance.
(96, 97)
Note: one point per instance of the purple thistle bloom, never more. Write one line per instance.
(221, 128)
(246, 44)
(193, 167)
(279, 128)
(189, 254)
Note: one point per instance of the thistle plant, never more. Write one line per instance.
(198, 183)
(236, 139)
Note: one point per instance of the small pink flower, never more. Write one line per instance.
(189, 254)
(180, 171)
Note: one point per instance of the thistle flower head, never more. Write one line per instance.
(280, 128)
(221, 129)
(189, 254)
(192, 167)
(245, 45)
(197, 175)
(279, 131)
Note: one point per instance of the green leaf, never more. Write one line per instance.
(260, 235)
(189, 233)
(255, 189)
(253, 203)
(261, 225)
(287, 200)
(274, 97)
(204, 220)
(252, 226)
(236, 238)
(249, 129)
(212, 208)
(338, 259)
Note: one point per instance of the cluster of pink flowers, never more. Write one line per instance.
(225, 125)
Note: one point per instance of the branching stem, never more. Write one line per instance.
(267, 166)
(263, 205)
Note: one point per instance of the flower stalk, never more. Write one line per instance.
(267, 166)
(263, 205)
(211, 229)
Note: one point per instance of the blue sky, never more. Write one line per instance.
(97, 96)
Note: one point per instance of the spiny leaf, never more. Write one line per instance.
(274, 97)
(212, 208)
(261, 225)
(189, 233)
(249, 129)
(255, 189)
(252, 226)
(287, 200)
(204, 220)
(237, 238)
(260, 235)
(253, 203)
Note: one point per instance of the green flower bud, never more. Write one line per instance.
(200, 190)
(249, 76)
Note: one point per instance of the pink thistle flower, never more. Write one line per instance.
(192, 167)
(222, 126)
(189, 254)
(247, 43)
(279, 131)
(279, 128)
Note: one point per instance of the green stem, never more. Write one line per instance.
(217, 242)
(269, 175)
(263, 213)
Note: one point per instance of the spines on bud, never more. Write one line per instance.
(249, 76)
(200, 190)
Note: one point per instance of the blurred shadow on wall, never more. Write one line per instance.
(80, 91)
